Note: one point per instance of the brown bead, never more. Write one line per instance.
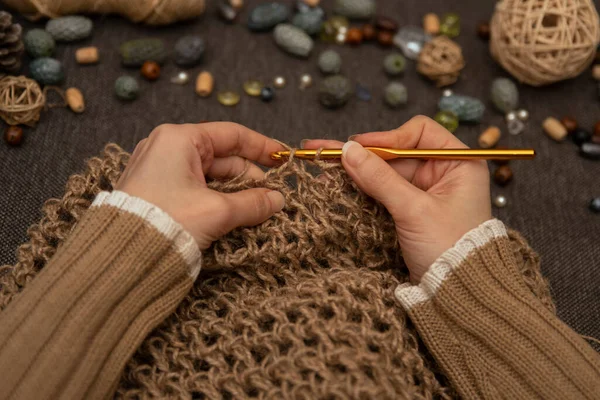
(354, 36)
(150, 70)
(570, 124)
(431, 23)
(597, 129)
(483, 30)
(503, 175)
(369, 32)
(386, 24)
(13, 135)
(385, 38)
(87, 55)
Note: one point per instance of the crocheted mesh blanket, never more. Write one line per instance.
(299, 307)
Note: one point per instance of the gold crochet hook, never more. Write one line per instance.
(421, 154)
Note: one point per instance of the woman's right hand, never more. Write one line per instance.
(433, 203)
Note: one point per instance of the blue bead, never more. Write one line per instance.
(363, 93)
(267, 94)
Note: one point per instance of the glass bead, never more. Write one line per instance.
(363, 93)
(339, 22)
(411, 40)
(328, 32)
(228, 98)
(447, 119)
(515, 126)
(267, 94)
(253, 88)
(450, 25)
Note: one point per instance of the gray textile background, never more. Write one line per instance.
(548, 198)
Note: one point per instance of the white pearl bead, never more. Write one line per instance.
(447, 93)
(305, 81)
(343, 30)
(181, 78)
(500, 201)
(340, 38)
(511, 116)
(279, 82)
(523, 115)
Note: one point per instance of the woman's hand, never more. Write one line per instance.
(169, 170)
(433, 203)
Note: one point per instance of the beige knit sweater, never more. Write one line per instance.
(127, 265)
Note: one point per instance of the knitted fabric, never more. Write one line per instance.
(301, 306)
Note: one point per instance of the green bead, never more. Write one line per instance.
(328, 32)
(450, 25)
(127, 88)
(394, 64)
(447, 119)
(46, 71)
(339, 22)
(39, 43)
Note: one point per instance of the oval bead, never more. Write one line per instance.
(447, 119)
(467, 109)
(504, 94)
(293, 40)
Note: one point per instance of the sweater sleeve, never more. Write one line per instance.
(489, 333)
(123, 270)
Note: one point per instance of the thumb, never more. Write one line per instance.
(377, 178)
(253, 206)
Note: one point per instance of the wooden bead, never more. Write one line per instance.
(236, 4)
(596, 72)
(150, 70)
(431, 23)
(13, 135)
(483, 30)
(75, 100)
(354, 36)
(385, 38)
(87, 55)
(312, 3)
(489, 137)
(597, 129)
(386, 24)
(569, 123)
(555, 129)
(369, 32)
(204, 84)
(503, 175)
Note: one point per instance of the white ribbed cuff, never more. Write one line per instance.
(184, 242)
(409, 295)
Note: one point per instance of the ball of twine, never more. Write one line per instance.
(441, 60)
(154, 12)
(21, 100)
(544, 41)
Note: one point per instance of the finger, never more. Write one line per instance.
(253, 206)
(310, 144)
(378, 179)
(232, 167)
(139, 149)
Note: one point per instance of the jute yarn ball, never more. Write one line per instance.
(544, 41)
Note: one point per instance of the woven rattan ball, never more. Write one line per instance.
(441, 60)
(544, 41)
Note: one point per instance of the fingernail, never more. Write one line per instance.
(277, 200)
(354, 153)
(353, 136)
(303, 142)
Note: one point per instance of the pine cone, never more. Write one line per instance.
(11, 45)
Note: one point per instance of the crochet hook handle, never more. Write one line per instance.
(422, 154)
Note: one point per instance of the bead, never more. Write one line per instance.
(354, 36)
(228, 98)
(189, 50)
(386, 24)
(394, 64)
(343, 30)
(75, 100)
(447, 92)
(369, 32)
(569, 123)
(236, 4)
(70, 28)
(87, 55)
(328, 32)
(204, 84)
(279, 82)
(450, 25)
(306, 81)
(127, 88)
(227, 12)
(515, 126)
(312, 3)
(267, 94)
(431, 24)
(355, 9)
(467, 109)
(339, 22)
(265, 16)
(503, 175)
(385, 39)
(330, 62)
(335, 91)
(500, 201)
(483, 30)
(47, 71)
(150, 70)
(504, 94)
(596, 72)
(580, 136)
(590, 151)
(136, 52)
(554, 129)
(253, 88)
(181, 78)
(411, 40)
(363, 93)
(597, 129)
(309, 21)
(489, 138)
(340, 38)
(447, 119)
(595, 205)
(523, 115)
(293, 40)
(395, 94)
(511, 116)
(39, 43)
(13, 135)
